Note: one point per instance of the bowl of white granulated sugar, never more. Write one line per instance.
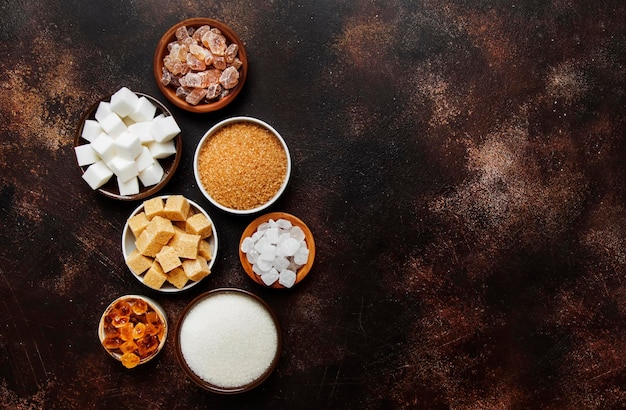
(228, 341)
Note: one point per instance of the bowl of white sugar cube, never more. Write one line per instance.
(277, 250)
(228, 341)
(128, 145)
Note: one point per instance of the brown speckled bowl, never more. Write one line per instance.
(170, 92)
(213, 313)
(169, 164)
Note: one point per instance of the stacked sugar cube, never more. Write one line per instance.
(126, 140)
(276, 251)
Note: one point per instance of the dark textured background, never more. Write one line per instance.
(460, 164)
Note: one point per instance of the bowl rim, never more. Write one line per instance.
(146, 191)
(170, 289)
(170, 93)
(310, 241)
(208, 134)
(206, 385)
(157, 308)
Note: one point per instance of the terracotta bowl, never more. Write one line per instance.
(105, 323)
(169, 164)
(252, 228)
(128, 246)
(170, 92)
(198, 158)
(202, 360)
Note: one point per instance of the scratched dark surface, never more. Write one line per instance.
(460, 163)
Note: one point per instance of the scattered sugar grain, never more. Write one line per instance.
(228, 340)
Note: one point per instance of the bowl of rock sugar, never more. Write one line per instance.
(128, 145)
(277, 250)
(228, 341)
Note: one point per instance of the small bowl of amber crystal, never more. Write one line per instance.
(200, 65)
(133, 329)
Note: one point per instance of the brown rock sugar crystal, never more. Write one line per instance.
(242, 165)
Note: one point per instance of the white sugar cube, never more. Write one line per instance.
(103, 110)
(142, 130)
(127, 146)
(97, 175)
(123, 101)
(113, 125)
(104, 146)
(123, 168)
(287, 278)
(164, 128)
(151, 175)
(144, 160)
(144, 110)
(130, 187)
(85, 155)
(160, 150)
(268, 252)
(91, 129)
(270, 277)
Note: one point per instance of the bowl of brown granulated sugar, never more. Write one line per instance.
(242, 165)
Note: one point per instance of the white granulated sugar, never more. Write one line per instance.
(229, 339)
(276, 245)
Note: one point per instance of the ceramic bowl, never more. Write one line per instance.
(169, 164)
(112, 317)
(250, 326)
(234, 180)
(170, 92)
(302, 272)
(128, 246)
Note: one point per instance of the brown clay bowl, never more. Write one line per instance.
(170, 92)
(169, 164)
(252, 228)
(207, 361)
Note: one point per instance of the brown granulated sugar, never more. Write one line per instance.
(242, 165)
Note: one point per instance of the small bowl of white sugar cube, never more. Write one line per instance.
(128, 145)
(277, 250)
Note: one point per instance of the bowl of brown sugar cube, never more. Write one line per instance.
(169, 243)
(200, 65)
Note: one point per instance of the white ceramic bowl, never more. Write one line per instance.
(210, 133)
(102, 333)
(128, 246)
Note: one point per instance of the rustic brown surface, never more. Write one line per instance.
(460, 164)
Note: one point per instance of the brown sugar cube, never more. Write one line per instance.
(161, 228)
(176, 208)
(138, 223)
(167, 258)
(199, 224)
(138, 263)
(177, 277)
(155, 277)
(153, 207)
(146, 245)
(204, 250)
(185, 244)
(196, 269)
